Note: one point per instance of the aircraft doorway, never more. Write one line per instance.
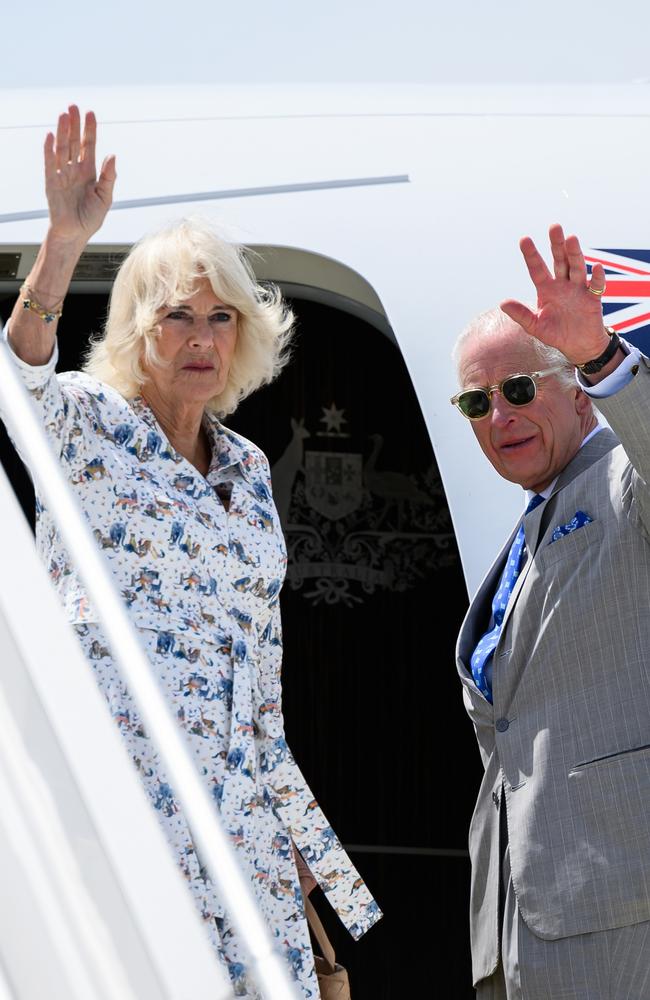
(371, 608)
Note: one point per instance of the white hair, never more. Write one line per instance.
(162, 269)
(494, 322)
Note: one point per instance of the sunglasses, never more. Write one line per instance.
(518, 390)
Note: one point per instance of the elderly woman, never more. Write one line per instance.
(182, 508)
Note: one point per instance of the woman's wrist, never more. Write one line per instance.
(67, 245)
(49, 278)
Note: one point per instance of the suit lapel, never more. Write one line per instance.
(536, 523)
(593, 451)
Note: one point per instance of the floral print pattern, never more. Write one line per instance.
(202, 585)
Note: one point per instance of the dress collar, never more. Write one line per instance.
(228, 448)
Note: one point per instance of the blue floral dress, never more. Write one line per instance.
(202, 584)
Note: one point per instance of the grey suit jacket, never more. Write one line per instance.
(566, 744)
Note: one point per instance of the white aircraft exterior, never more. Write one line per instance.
(405, 202)
(403, 205)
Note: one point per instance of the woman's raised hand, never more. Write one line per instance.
(78, 201)
(569, 312)
(77, 198)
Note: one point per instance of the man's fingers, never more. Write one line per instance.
(537, 268)
(75, 133)
(558, 250)
(520, 314)
(577, 266)
(598, 279)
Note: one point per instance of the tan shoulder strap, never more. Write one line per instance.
(320, 934)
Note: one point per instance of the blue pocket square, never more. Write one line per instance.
(579, 519)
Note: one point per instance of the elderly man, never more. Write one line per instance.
(554, 654)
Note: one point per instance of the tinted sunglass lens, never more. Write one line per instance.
(519, 390)
(474, 403)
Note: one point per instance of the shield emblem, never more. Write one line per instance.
(333, 482)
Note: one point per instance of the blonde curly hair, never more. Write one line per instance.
(162, 269)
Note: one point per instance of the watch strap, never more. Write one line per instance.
(595, 365)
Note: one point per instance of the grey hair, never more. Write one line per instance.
(495, 321)
(162, 269)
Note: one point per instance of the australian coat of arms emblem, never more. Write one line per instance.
(353, 526)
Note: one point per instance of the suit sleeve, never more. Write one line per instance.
(628, 414)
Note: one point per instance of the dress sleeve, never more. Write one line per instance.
(60, 410)
(294, 802)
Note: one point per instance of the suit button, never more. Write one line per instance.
(502, 725)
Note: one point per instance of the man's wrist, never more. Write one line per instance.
(597, 364)
(617, 361)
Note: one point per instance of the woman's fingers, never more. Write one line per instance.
(74, 144)
(62, 145)
(70, 147)
(89, 139)
(106, 180)
(50, 157)
(78, 199)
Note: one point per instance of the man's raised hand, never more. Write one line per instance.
(569, 312)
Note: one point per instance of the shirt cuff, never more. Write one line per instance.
(34, 376)
(619, 378)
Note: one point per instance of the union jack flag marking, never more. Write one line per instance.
(626, 302)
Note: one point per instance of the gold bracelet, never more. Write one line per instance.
(47, 315)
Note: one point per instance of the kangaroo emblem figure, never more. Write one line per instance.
(285, 469)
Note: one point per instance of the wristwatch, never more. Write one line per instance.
(591, 367)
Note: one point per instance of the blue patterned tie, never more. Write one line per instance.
(483, 653)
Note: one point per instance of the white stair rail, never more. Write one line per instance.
(33, 833)
(23, 423)
(89, 885)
